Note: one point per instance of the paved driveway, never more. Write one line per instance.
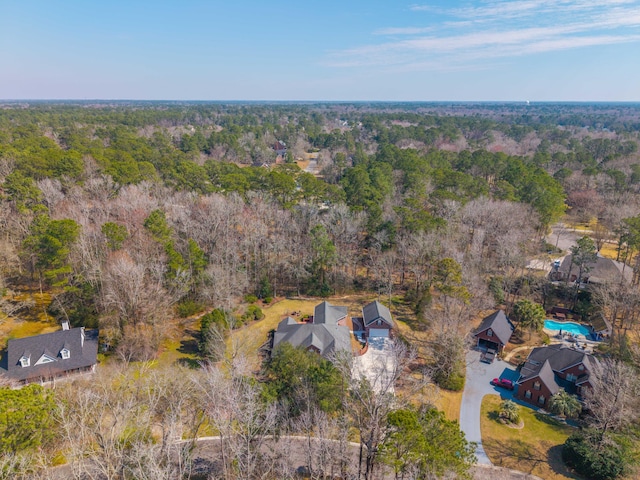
(378, 364)
(477, 385)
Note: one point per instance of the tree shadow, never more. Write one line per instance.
(554, 458)
(192, 363)
(548, 419)
(189, 346)
(494, 415)
(516, 452)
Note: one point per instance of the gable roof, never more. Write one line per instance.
(324, 334)
(546, 376)
(325, 338)
(374, 311)
(555, 358)
(499, 323)
(327, 313)
(600, 271)
(83, 353)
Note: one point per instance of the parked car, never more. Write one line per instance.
(489, 356)
(502, 383)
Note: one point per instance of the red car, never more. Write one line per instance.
(502, 383)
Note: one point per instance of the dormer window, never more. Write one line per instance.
(45, 359)
(490, 333)
(65, 354)
(25, 361)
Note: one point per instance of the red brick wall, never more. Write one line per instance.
(535, 394)
(483, 335)
(575, 370)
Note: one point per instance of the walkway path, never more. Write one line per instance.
(477, 385)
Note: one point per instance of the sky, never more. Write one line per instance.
(347, 50)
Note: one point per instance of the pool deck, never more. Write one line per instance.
(576, 342)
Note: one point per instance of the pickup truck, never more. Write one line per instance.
(489, 356)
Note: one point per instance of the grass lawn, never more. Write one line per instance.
(449, 402)
(535, 449)
(249, 338)
(33, 321)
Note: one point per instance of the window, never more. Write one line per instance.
(25, 361)
(536, 386)
(489, 333)
(65, 354)
(541, 399)
(379, 322)
(581, 367)
(571, 377)
(527, 394)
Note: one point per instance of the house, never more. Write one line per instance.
(327, 333)
(49, 356)
(377, 321)
(601, 271)
(547, 370)
(494, 332)
(280, 148)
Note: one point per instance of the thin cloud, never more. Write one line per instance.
(495, 29)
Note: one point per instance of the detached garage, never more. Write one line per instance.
(494, 332)
(377, 320)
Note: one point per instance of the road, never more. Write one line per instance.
(477, 385)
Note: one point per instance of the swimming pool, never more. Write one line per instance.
(567, 327)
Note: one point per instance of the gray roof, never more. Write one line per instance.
(499, 323)
(602, 270)
(83, 353)
(558, 358)
(327, 313)
(326, 338)
(547, 377)
(374, 311)
(324, 333)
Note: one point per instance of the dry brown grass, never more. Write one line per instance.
(33, 321)
(534, 449)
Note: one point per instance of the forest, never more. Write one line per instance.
(132, 217)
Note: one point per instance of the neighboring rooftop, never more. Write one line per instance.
(50, 354)
(327, 313)
(374, 311)
(324, 334)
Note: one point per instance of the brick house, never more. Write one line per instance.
(547, 370)
(494, 332)
(377, 320)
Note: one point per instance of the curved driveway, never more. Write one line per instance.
(477, 385)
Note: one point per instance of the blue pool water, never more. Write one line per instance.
(567, 327)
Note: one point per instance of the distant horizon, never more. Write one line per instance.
(441, 50)
(294, 102)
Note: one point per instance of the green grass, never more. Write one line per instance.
(536, 448)
(248, 339)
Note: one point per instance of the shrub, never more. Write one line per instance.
(454, 382)
(253, 313)
(509, 410)
(250, 298)
(188, 307)
(268, 300)
(592, 459)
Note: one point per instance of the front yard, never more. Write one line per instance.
(536, 448)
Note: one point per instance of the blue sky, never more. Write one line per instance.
(537, 50)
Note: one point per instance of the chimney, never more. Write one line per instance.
(65, 325)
